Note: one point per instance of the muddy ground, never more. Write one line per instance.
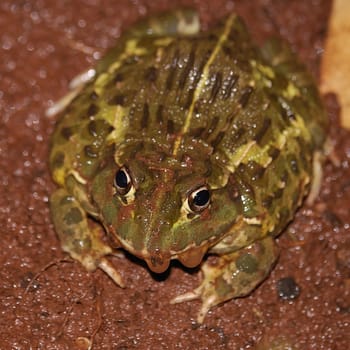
(47, 301)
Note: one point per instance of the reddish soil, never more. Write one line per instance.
(47, 301)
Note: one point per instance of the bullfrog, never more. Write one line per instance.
(183, 143)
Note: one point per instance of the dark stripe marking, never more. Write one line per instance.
(90, 151)
(227, 51)
(190, 95)
(99, 128)
(118, 78)
(58, 160)
(238, 134)
(92, 128)
(293, 165)
(216, 87)
(218, 138)
(170, 127)
(267, 202)
(213, 124)
(229, 86)
(274, 152)
(145, 116)
(151, 74)
(197, 132)
(92, 110)
(257, 171)
(172, 70)
(67, 132)
(159, 114)
(94, 96)
(278, 193)
(285, 177)
(246, 93)
(118, 100)
(287, 114)
(192, 89)
(264, 128)
(186, 71)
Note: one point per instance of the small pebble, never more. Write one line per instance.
(343, 259)
(287, 288)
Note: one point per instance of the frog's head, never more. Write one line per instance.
(159, 208)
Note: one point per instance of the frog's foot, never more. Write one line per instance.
(80, 238)
(198, 293)
(184, 21)
(75, 86)
(232, 275)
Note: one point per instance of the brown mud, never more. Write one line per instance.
(47, 301)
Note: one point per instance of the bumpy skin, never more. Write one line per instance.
(180, 109)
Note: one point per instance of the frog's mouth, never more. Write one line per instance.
(191, 257)
(159, 261)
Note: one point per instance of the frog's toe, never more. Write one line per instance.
(81, 79)
(61, 104)
(207, 304)
(186, 297)
(111, 271)
(209, 299)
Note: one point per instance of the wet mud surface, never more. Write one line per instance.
(47, 301)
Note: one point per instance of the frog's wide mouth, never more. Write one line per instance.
(159, 261)
(190, 258)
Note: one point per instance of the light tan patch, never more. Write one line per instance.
(335, 69)
(252, 221)
(78, 177)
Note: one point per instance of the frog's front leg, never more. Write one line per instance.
(233, 275)
(78, 238)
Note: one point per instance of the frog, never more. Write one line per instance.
(187, 144)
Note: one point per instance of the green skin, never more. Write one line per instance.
(181, 109)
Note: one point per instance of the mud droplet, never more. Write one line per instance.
(287, 288)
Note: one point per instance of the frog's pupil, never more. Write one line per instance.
(201, 198)
(121, 179)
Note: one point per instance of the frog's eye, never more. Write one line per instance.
(122, 181)
(199, 199)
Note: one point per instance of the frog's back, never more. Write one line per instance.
(164, 88)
